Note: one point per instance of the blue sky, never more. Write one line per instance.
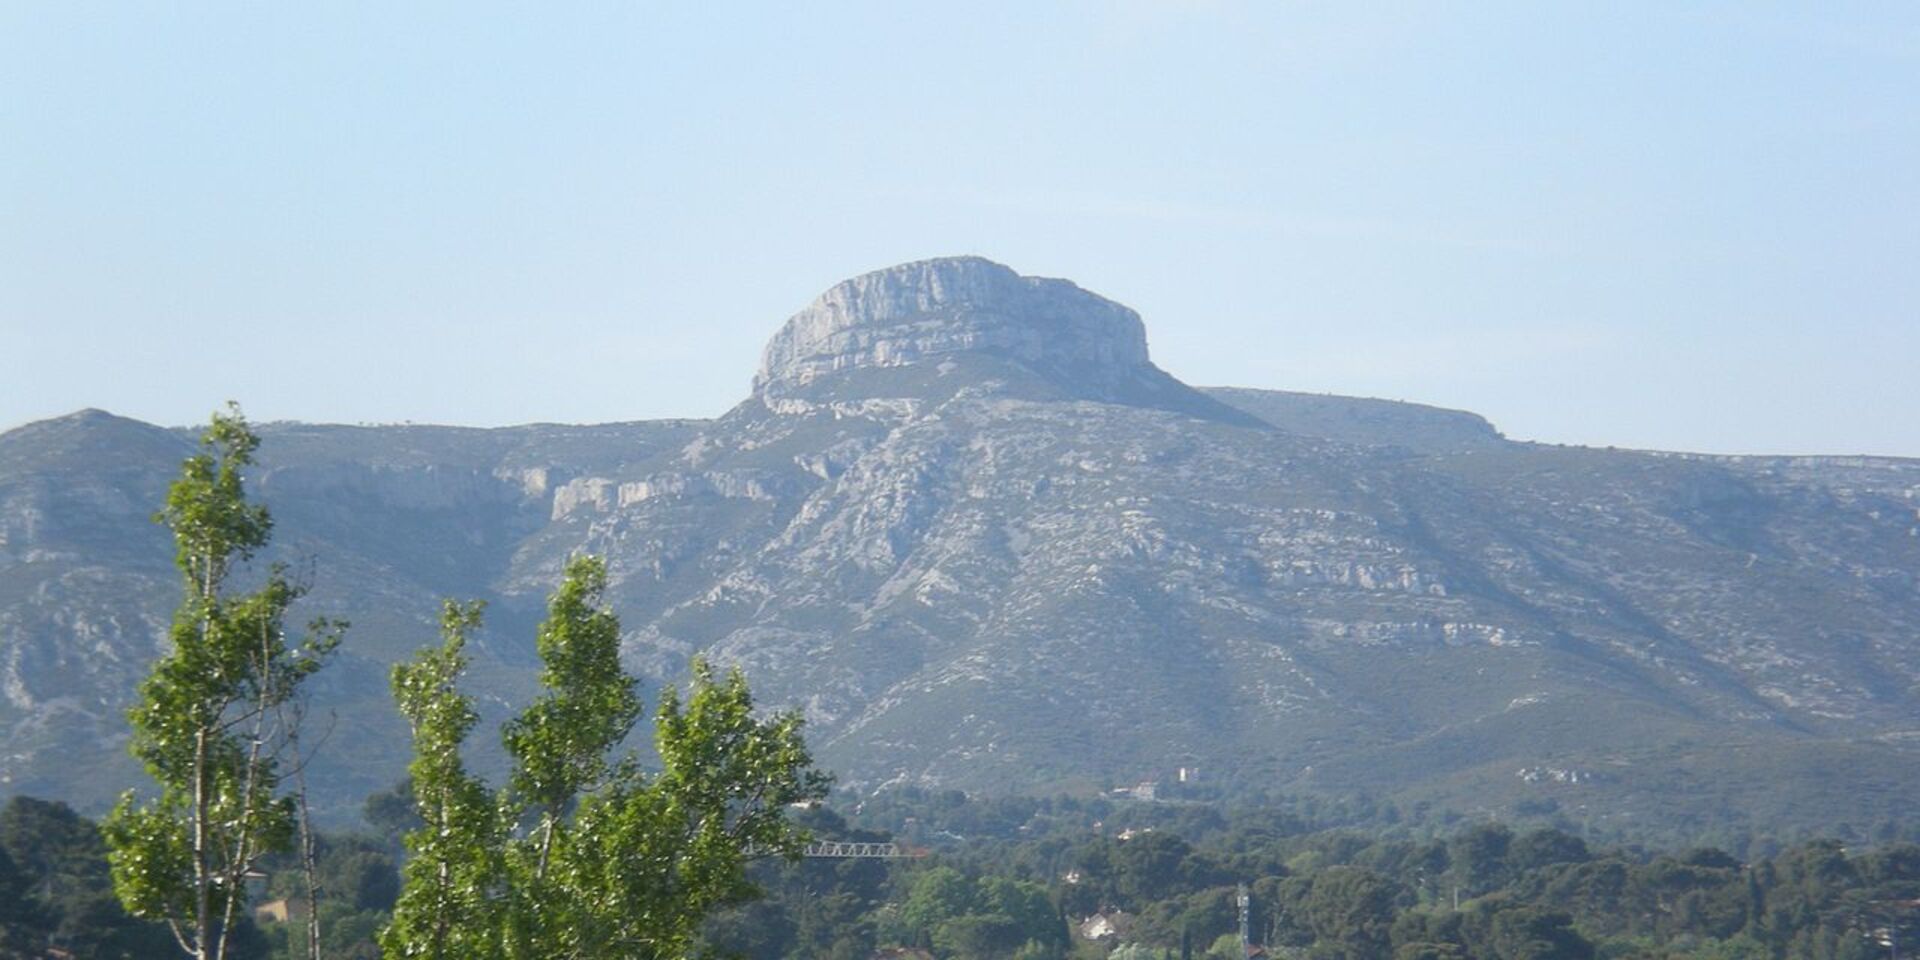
(1670, 226)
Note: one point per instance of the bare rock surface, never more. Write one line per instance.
(921, 312)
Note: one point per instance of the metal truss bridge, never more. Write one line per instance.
(850, 850)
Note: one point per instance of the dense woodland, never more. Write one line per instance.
(1031, 872)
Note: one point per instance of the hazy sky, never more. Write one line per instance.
(1683, 226)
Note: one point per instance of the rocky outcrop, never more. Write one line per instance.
(604, 495)
(922, 311)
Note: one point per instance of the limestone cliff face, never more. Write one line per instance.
(926, 310)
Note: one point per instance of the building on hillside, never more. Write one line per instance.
(1104, 926)
(282, 910)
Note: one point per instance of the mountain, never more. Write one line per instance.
(969, 528)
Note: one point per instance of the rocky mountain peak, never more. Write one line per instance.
(923, 311)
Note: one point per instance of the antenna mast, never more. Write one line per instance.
(1241, 899)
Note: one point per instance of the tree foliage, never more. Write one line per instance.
(582, 854)
(993, 898)
(447, 905)
(211, 723)
(69, 890)
(993, 916)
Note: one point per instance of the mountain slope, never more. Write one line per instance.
(967, 526)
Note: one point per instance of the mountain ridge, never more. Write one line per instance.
(973, 559)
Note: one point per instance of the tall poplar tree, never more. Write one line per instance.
(581, 854)
(447, 906)
(210, 724)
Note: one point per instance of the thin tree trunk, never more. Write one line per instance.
(546, 846)
(201, 882)
(445, 825)
(240, 861)
(309, 869)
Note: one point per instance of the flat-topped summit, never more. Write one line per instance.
(921, 311)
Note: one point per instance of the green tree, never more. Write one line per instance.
(1478, 857)
(446, 906)
(1225, 947)
(581, 855)
(355, 881)
(1429, 951)
(938, 895)
(1540, 848)
(23, 925)
(393, 813)
(1530, 933)
(66, 859)
(1350, 911)
(210, 723)
(977, 936)
(1147, 868)
(1026, 904)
